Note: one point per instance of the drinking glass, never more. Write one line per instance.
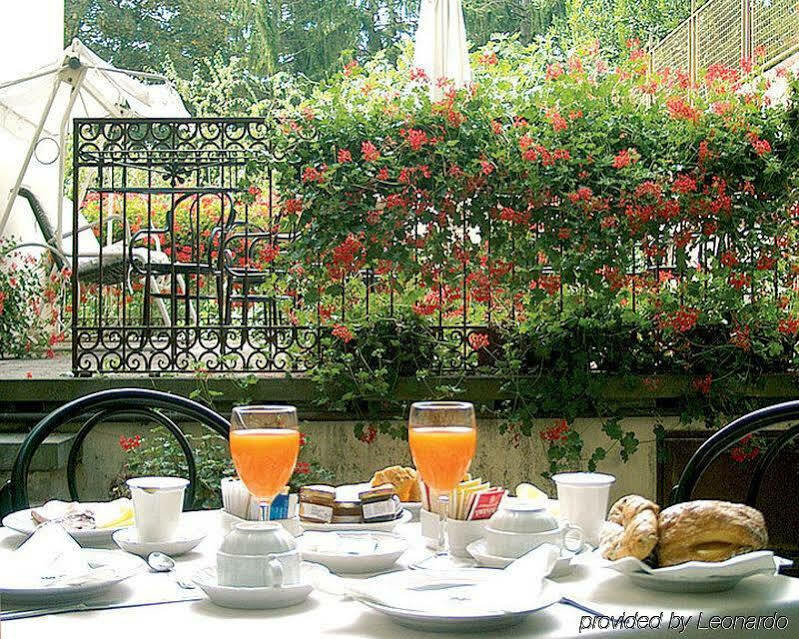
(443, 439)
(264, 444)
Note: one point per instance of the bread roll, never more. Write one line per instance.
(708, 530)
(633, 529)
(405, 482)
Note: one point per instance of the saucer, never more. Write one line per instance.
(185, 539)
(258, 598)
(477, 549)
(353, 551)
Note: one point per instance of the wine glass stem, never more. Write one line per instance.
(264, 509)
(443, 513)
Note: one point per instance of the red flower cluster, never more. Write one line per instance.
(624, 158)
(680, 321)
(344, 156)
(368, 435)
(478, 341)
(789, 325)
(415, 137)
(129, 443)
(746, 449)
(681, 110)
(740, 338)
(343, 333)
(557, 433)
(302, 468)
(760, 145)
(703, 384)
(312, 174)
(369, 152)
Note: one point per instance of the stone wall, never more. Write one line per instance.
(334, 445)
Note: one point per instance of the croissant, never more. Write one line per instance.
(632, 530)
(404, 480)
(709, 530)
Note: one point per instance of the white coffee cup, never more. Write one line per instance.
(583, 500)
(460, 533)
(157, 504)
(258, 554)
(502, 543)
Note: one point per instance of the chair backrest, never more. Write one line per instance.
(730, 435)
(152, 406)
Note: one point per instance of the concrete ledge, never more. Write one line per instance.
(51, 455)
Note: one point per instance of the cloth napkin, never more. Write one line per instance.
(514, 589)
(49, 557)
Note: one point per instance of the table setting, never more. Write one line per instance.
(353, 561)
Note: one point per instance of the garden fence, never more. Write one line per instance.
(728, 31)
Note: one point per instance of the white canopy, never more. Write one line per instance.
(42, 104)
(441, 44)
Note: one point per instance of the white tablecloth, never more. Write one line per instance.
(324, 615)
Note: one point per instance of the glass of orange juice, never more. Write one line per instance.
(443, 439)
(264, 444)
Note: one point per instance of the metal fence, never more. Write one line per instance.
(727, 31)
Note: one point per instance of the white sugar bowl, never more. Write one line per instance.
(521, 517)
(256, 554)
(518, 528)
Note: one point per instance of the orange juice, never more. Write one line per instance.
(442, 455)
(265, 458)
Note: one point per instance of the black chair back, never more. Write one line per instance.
(730, 435)
(152, 406)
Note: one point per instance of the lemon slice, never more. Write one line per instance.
(528, 492)
(114, 514)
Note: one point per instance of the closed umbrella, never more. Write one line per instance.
(441, 44)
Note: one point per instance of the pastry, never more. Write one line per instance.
(708, 530)
(405, 481)
(632, 530)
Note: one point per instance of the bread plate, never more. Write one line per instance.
(22, 522)
(700, 576)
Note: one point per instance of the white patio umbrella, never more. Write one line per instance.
(441, 44)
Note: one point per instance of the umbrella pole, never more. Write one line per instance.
(76, 85)
(31, 147)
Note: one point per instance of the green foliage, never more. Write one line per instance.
(195, 40)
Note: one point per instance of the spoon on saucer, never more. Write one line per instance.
(159, 562)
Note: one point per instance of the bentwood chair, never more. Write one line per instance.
(730, 435)
(105, 406)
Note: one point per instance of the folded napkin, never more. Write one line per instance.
(515, 589)
(50, 556)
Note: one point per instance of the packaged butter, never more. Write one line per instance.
(380, 504)
(347, 512)
(316, 503)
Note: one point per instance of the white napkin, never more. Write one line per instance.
(515, 589)
(49, 557)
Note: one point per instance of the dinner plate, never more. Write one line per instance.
(109, 567)
(385, 526)
(699, 576)
(353, 551)
(462, 619)
(259, 598)
(22, 522)
(478, 550)
(185, 539)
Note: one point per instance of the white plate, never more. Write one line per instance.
(120, 566)
(385, 526)
(353, 551)
(22, 522)
(185, 540)
(258, 598)
(699, 576)
(477, 549)
(464, 619)
(414, 507)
